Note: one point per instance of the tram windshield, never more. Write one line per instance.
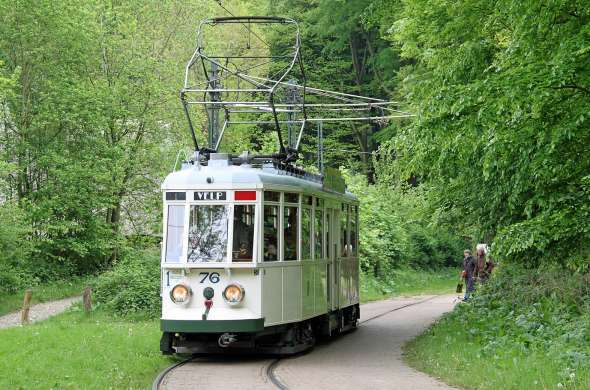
(207, 233)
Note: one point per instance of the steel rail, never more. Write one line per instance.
(160, 378)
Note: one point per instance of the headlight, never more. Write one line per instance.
(181, 294)
(233, 293)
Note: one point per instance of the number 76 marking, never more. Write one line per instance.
(213, 277)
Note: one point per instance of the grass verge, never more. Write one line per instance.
(526, 329)
(43, 293)
(408, 281)
(75, 350)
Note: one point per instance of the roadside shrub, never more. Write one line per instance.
(132, 287)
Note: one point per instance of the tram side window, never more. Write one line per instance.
(243, 234)
(290, 233)
(174, 229)
(318, 230)
(354, 231)
(306, 234)
(344, 231)
(207, 233)
(271, 232)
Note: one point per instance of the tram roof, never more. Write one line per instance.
(227, 176)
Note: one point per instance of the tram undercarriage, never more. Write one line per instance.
(285, 339)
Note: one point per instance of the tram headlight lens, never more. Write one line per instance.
(181, 294)
(233, 293)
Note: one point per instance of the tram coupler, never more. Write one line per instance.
(208, 304)
(226, 339)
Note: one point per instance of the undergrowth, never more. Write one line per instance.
(524, 329)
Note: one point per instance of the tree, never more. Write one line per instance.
(502, 133)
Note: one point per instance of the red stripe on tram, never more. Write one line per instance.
(245, 195)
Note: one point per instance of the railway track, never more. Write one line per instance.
(270, 370)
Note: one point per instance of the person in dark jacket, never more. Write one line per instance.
(469, 270)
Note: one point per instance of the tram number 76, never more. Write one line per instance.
(213, 277)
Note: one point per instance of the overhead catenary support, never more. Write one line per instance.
(258, 84)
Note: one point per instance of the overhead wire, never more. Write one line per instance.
(244, 25)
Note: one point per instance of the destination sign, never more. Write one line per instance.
(210, 195)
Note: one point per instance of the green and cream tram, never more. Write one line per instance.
(256, 257)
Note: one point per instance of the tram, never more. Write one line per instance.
(258, 253)
(258, 258)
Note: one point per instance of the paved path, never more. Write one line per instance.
(371, 357)
(38, 312)
(367, 358)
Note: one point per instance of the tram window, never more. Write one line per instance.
(353, 231)
(271, 233)
(319, 202)
(272, 196)
(243, 234)
(318, 227)
(306, 234)
(308, 200)
(291, 198)
(174, 230)
(344, 231)
(290, 233)
(207, 233)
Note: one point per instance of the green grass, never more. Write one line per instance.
(446, 351)
(43, 293)
(524, 329)
(78, 351)
(408, 281)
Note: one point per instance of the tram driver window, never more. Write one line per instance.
(243, 234)
(174, 231)
(271, 233)
(290, 233)
(207, 233)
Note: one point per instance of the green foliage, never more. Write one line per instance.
(89, 123)
(395, 230)
(534, 322)
(501, 90)
(132, 287)
(15, 250)
(343, 53)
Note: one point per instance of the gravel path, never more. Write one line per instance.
(369, 358)
(39, 312)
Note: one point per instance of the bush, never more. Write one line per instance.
(132, 287)
(15, 250)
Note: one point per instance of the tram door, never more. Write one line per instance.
(332, 243)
